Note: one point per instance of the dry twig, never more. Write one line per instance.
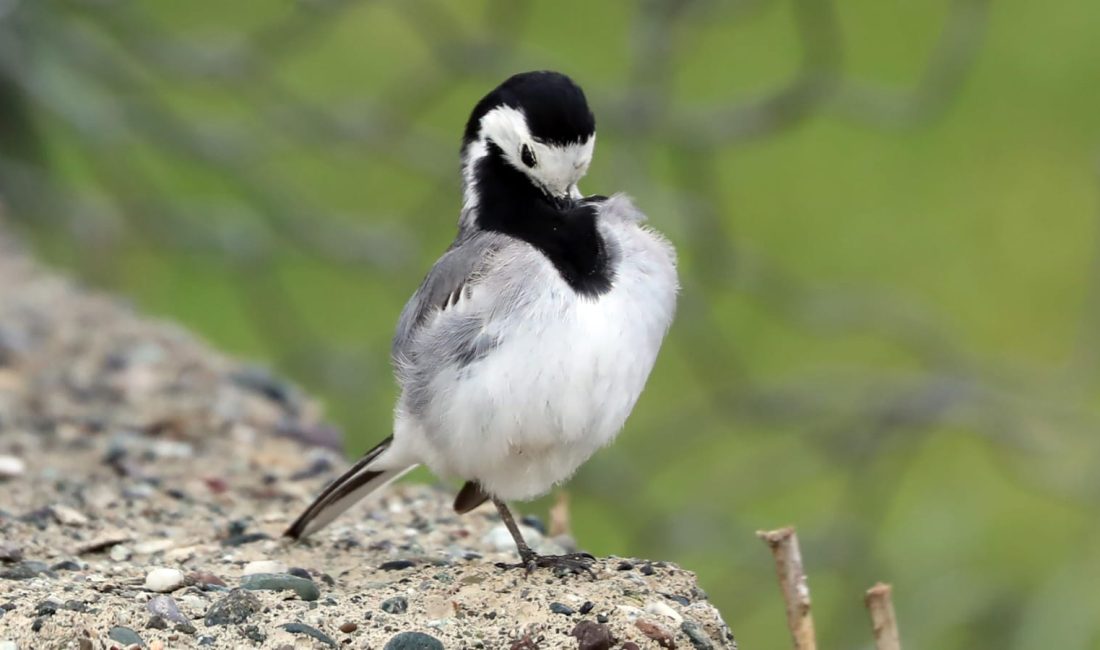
(559, 516)
(792, 581)
(883, 622)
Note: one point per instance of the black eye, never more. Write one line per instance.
(527, 156)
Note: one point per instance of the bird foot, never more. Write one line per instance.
(561, 564)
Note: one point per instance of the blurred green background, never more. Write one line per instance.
(886, 214)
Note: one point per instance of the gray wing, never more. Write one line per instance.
(461, 268)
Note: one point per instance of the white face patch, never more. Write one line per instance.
(557, 168)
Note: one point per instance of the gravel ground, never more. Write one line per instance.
(145, 479)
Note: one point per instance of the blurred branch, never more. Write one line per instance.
(792, 582)
(883, 622)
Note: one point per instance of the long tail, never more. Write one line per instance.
(363, 478)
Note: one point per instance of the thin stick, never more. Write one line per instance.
(559, 515)
(883, 622)
(792, 581)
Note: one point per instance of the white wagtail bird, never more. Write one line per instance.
(530, 340)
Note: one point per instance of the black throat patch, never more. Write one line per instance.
(567, 235)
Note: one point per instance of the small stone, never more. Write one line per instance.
(102, 542)
(700, 639)
(661, 609)
(395, 605)
(654, 631)
(120, 553)
(602, 618)
(74, 605)
(163, 579)
(233, 609)
(66, 565)
(624, 566)
(185, 628)
(677, 599)
(586, 607)
(592, 636)
(263, 566)
(306, 589)
(302, 628)
(46, 608)
(67, 516)
(300, 572)
(166, 608)
(24, 570)
(413, 641)
(149, 547)
(9, 552)
(647, 570)
(396, 565)
(533, 521)
(559, 608)
(253, 633)
(349, 627)
(125, 636)
(204, 578)
(156, 623)
(11, 467)
(245, 538)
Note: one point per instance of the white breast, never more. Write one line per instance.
(564, 379)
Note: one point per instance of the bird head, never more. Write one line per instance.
(539, 124)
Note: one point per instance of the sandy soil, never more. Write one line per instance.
(143, 476)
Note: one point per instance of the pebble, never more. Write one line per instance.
(120, 553)
(592, 636)
(413, 641)
(152, 546)
(125, 636)
(501, 540)
(264, 566)
(253, 633)
(656, 632)
(104, 541)
(156, 623)
(586, 607)
(185, 628)
(661, 609)
(395, 605)
(205, 578)
(233, 609)
(164, 580)
(245, 538)
(396, 565)
(302, 628)
(24, 570)
(166, 608)
(10, 552)
(306, 589)
(559, 608)
(11, 467)
(66, 565)
(300, 572)
(697, 636)
(349, 627)
(67, 516)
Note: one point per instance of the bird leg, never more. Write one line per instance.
(530, 560)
